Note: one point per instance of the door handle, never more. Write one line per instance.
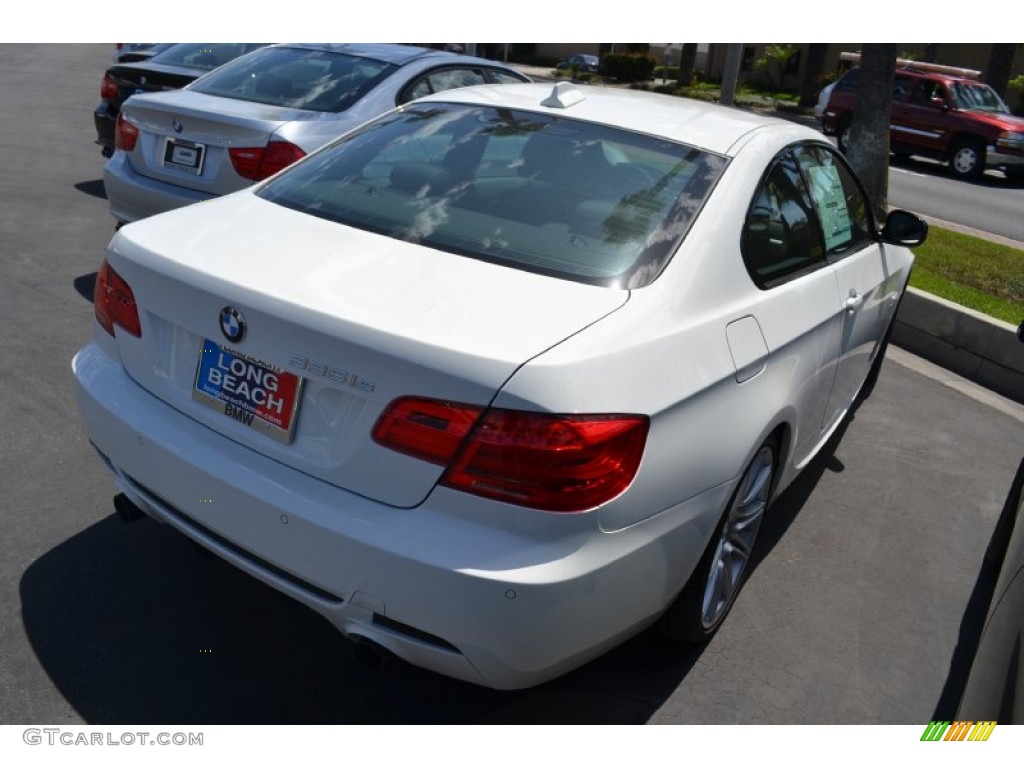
(854, 301)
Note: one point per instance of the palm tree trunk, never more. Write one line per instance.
(687, 65)
(1000, 64)
(868, 150)
(813, 69)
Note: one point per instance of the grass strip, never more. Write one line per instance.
(984, 276)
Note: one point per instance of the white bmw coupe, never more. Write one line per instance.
(502, 377)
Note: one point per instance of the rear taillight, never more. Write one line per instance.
(108, 88)
(558, 463)
(258, 163)
(114, 303)
(125, 134)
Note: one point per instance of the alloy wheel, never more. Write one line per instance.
(736, 541)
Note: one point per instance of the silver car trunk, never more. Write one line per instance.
(360, 318)
(184, 137)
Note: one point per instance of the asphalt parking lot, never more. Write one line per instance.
(850, 616)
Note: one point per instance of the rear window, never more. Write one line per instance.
(532, 191)
(203, 55)
(322, 81)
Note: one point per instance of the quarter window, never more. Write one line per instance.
(781, 237)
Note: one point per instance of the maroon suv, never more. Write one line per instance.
(959, 121)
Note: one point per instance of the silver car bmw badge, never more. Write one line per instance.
(177, 125)
(232, 324)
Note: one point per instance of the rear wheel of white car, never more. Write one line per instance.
(702, 606)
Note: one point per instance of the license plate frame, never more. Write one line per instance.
(252, 392)
(184, 155)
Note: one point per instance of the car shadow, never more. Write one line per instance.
(787, 506)
(85, 285)
(93, 188)
(978, 604)
(133, 626)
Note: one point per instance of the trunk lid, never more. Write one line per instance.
(360, 318)
(184, 137)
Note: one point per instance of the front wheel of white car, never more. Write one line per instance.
(702, 606)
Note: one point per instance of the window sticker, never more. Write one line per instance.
(830, 201)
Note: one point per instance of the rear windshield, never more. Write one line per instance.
(323, 81)
(203, 55)
(533, 191)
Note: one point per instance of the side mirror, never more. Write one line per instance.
(938, 102)
(904, 228)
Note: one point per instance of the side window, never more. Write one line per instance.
(921, 94)
(840, 205)
(418, 89)
(447, 79)
(849, 81)
(500, 76)
(900, 87)
(441, 80)
(780, 236)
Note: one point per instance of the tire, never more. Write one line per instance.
(967, 159)
(705, 601)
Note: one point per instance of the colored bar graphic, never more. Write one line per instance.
(942, 730)
(935, 730)
(982, 730)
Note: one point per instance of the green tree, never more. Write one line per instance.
(868, 146)
(775, 57)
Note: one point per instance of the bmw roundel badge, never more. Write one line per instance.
(177, 125)
(232, 324)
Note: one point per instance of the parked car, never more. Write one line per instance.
(129, 52)
(953, 119)
(262, 112)
(498, 379)
(171, 67)
(584, 62)
(822, 104)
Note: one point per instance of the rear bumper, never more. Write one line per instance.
(503, 606)
(133, 196)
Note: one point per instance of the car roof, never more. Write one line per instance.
(697, 123)
(393, 53)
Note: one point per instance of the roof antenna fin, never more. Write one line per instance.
(563, 95)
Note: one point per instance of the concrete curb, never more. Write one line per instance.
(975, 346)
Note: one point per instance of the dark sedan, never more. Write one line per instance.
(174, 67)
(584, 62)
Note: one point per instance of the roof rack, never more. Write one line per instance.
(921, 66)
